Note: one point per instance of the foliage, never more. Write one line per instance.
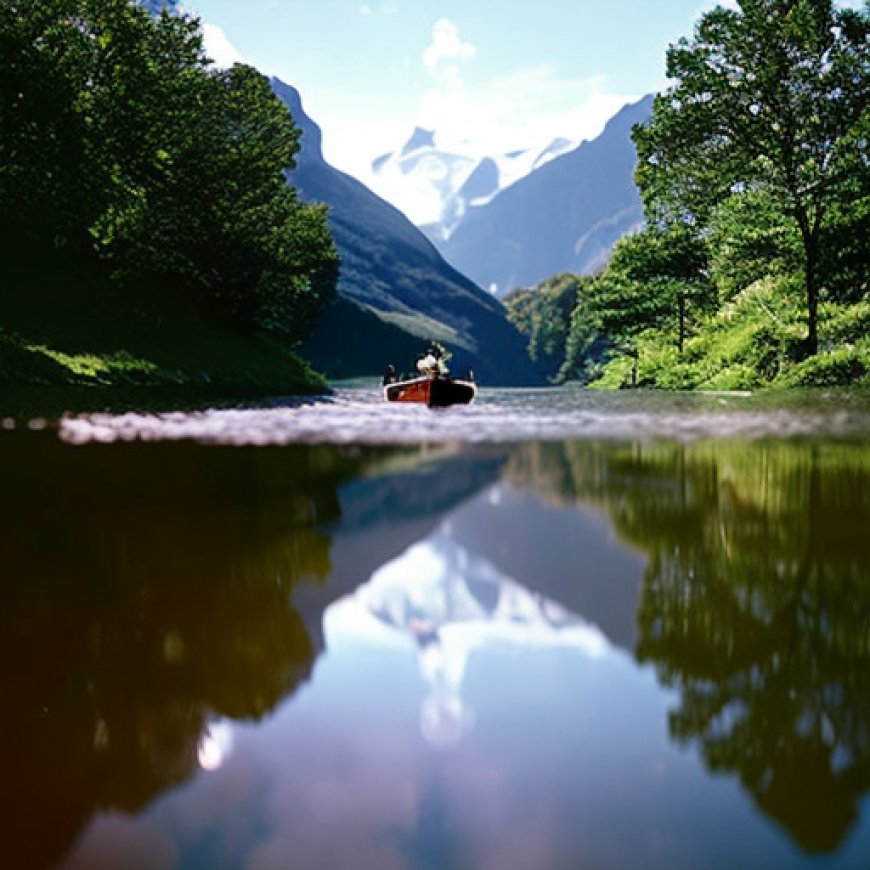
(772, 96)
(750, 340)
(754, 608)
(655, 279)
(749, 239)
(543, 313)
(585, 344)
(120, 140)
(829, 368)
(162, 343)
(755, 176)
(845, 248)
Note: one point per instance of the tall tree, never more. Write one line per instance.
(656, 279)
(117, 137)
(773, 95)
(671, 267)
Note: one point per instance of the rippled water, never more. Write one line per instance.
(359, 415)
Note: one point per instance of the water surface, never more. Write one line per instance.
(546, 632)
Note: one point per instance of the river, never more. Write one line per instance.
(554, 629)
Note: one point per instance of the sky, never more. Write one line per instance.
(490, 76)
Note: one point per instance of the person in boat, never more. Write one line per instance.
(432, 363)
(390, 376)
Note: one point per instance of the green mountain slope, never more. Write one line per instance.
(389, 269)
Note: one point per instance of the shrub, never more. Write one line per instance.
(844, 365)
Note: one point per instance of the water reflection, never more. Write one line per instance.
(447, 602)
(526, 655)
(146, 601)
(755, 606)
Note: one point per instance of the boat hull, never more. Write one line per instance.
(434, 392)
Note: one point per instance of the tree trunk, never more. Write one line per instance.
(681, 302)
(810, 239)
(812, 290)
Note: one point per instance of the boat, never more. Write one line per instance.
(439, 392)
(434, 386)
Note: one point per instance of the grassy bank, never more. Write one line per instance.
(64, 329)
(753, 342)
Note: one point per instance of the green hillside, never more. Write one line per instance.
(62, 325)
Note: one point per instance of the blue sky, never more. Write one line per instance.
(489, 75)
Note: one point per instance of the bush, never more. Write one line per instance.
(751, 340)
(843, 324)
(845, 365)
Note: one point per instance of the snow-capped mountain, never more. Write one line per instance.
(435, 186)
(564, 216)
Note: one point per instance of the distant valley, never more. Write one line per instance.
(396, 290)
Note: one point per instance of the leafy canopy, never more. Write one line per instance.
(771, 96)
(119, 139)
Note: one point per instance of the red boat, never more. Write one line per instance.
(440, 392)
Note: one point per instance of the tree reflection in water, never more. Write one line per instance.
(755, 606)
(145, 594)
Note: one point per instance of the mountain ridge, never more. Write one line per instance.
(389, 269)
(564, 216)
(435, 186)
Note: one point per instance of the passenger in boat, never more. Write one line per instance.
(431, 363)
(389, 375)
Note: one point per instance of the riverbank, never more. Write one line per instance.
(68, 331)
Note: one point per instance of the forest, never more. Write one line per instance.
(752, 266)
(147, 231)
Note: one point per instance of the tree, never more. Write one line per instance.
(119, 139)
(544, 314)
(656, 279)
(41, 133)
(584, 344)
(750, 239)
(773, 96)
(671, 266)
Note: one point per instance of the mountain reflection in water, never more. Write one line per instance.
(508, 655)
(446, 602)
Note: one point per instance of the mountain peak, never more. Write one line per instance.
(420, 138)
(312, 137)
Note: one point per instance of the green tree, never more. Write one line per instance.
(543, 313)
(41, 132)
(584, 344)
(671, 266)
(750, 239)
(656, 280)
(120, 137)
(774, 96)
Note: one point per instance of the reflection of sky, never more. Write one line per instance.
(560, 757)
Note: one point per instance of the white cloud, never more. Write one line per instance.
(525, 109)
(365, 10)
(218, 46)
(446, 45)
